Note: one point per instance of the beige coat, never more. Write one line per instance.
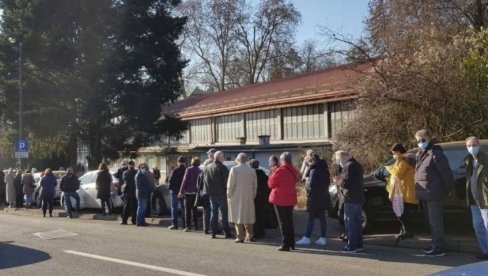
(241, 191)
(9, 179)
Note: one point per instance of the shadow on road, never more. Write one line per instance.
(15, 256)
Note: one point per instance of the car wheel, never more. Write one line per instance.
(159, 205)
(367, 219)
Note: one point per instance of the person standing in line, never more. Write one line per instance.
(307, 159)
(273, 164)
(19, 189)
(3, 190)
(284, 197)
(433, 182)
(215, 179)
(69, 185)
(351, 187)
(404, 171)
(129, 194)
(104, 187)
(241, 191)
(318, 198)
(9, 180)
(477, 192)
(120, 174)
(142, 194)
(48, 191)
(189, 191)
(29, 185)
(152, 185)
(157, 175)
(203, 198)
(261, 200)
(175, 180)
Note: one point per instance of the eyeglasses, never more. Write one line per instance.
(421, 140)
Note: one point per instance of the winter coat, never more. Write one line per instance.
(242, 187)
(19, 188)
(283, 186)
(104, 184)
(9, 180)
(189, 185)
(69, 183)
(482, 186)
(129, 186)
(433, 176)
(176, 178)
(406, 173)
(263, 190)
(28, 183)
(142, 186)
(48, 186)
(318, 180)
(351, 182)
(3, 185)
(215, 179)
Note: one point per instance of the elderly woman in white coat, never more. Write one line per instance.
(241, 190)
(11, 195)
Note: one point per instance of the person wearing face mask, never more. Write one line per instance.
(273, 164)
(477, 192)
(142, 194)
(404, 171)
(433, 182)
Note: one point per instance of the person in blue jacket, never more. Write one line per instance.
(142, 194)
(48, 191)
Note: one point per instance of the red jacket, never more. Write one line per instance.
(283, 186)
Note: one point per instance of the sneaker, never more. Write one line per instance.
(348, 250)
(321, 241)
(360, 249)
(428, 249)
(186, 230)
(436, 253)
(172, 227)
(303, 241)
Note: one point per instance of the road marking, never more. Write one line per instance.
(146, 266)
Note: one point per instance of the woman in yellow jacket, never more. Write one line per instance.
(405, 172)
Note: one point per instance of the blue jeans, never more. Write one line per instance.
(67, 199)
(311, 220)
(141, 211)
(353, 222)
(28, 199)
(174, 210)
(216, 203)
(480, 225)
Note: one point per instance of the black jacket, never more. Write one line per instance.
(19, 188)
(351, 182)
(176, 178)
(69, 183)
(318, 181)
(433, 176)
(215, 179)
(263, 191)
(3, 185)
(104, 184)
(129, 186)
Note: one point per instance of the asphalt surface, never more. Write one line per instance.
(96, 247)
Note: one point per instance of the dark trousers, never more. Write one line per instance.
(130, 209)
(19, 200)
(205, 200)
(260, 224)
(45, 203)
(191, 211)
(219, 203)
(285, 219)
(433, 210)
(106, 204)
(406, 220)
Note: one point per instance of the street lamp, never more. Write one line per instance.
(21, 95)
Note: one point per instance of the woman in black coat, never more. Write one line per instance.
(104, 185)
(19, 189)
(318, 198)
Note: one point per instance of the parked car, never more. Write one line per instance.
(161, 197)
(378, 206)
(88, 192)
(37, 189)
(475, 269)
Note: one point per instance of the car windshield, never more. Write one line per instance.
(88, 178)
(456, 158)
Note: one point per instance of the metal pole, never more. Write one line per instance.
(21, 98)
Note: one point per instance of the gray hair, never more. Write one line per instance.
(286, 157)
(423, 133)
(475, 139)
(341, 153)
(241, 158)
(217, 154)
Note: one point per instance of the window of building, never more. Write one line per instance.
(340, 114)
(304, 122)
(262, 123)
(201, 131)
(230, 127)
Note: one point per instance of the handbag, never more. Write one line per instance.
(396, 196)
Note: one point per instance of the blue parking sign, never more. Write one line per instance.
(22, 148)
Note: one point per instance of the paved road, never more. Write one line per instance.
(107, 248)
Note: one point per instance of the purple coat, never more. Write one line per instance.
(189, 184)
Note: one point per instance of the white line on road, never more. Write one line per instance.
(152, 267)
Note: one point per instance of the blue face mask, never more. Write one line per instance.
(473, 150)
(423, 145)
(143, 171)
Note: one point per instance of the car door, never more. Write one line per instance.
(88, 191)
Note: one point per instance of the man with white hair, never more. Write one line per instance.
(241, 191)
(477, 192)
(215, 185)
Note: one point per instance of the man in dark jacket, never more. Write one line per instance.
(129, 194)
(175, 180)
(351, 189)
(433, 181)
(215, 185)
(261, 200)
(3, 190)
(477, 192)
(142, 194)
(120, 174)
(69, 185)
